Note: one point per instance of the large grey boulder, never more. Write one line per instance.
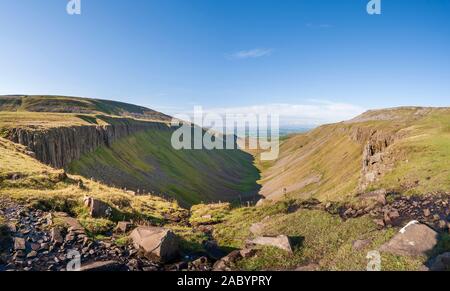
(415, 239)
(156, 242)
(281, 242)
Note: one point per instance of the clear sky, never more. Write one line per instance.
(313, 60)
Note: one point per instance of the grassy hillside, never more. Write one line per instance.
(409, 147)
(63, 104)
(147, 161)
(26, 179)
(143, 161)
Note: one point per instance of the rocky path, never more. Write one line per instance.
(36, 244)
(396, 210)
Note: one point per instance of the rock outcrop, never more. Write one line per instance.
(375, 157)
(59, 146)
(156, 242)
(282, 242)
(414, 239)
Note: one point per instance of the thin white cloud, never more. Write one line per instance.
(320, 26)
(251, 54)
(311, 113)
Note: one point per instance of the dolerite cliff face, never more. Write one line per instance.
(59, 146)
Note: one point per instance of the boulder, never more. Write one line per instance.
(124, 226)
(156, 242)
(281, 242)
(97, 208)
(415, 239)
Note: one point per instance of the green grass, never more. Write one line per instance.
(95, 226)
(208, 213)
(426, 154)
(318, 237)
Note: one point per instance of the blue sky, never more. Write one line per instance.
(314, 61)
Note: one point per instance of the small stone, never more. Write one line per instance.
(380, 223)
(426, 212)
(124, 226)
(35, 246)
(32, 254)
(70, 237)
(19, 244)
(361, 244)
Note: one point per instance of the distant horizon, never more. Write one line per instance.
(286, 128)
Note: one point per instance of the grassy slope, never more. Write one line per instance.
(427, 157)
(331, 152)
(42, 186)
(146, 160)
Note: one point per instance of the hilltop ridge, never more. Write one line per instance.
(66, 104)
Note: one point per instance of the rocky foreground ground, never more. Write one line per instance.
(36, 241)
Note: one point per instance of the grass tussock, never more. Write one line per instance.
(209, 213)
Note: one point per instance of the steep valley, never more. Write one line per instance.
(130, 153)
(334, 195)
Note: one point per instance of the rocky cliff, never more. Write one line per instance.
(59, 146)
